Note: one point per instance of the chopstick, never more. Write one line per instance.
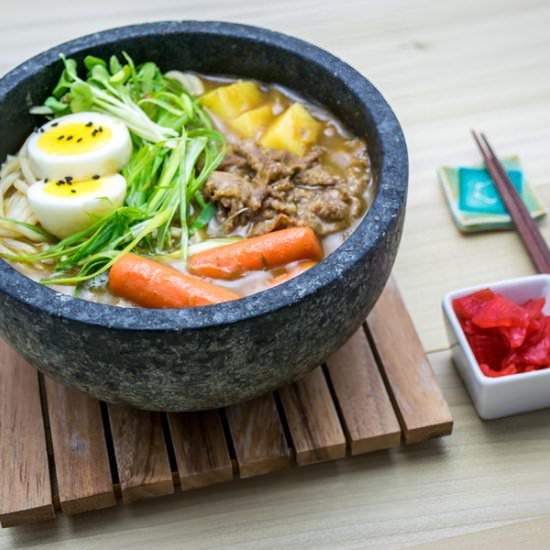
(526, 227)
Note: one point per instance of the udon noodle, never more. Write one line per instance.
(16, 177)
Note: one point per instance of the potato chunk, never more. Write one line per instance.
(295, 130)
(251, 123)
(230, 101)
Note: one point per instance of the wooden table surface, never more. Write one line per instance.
(445, 67)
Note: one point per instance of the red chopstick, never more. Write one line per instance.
(526, 227)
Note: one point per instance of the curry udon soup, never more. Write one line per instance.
(177, 189)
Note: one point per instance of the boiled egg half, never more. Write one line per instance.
(79, 146)
(64, 207)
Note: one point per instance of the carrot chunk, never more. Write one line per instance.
(291, 273)
(257, 253)
(151, 284)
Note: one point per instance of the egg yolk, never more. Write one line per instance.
(74, 138)
(64, 188)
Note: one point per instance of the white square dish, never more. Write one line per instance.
(505, 395)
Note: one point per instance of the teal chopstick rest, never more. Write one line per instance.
(477, 192)
(474, 202)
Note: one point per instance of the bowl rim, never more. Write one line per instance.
(480, 378)
(390, 195)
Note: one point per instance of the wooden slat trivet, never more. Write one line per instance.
(376, 392)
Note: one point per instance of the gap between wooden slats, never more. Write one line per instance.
(141, 455)
(312, 419)
(25, 489)
(258, 437)
(367, 413)
(422, 409)
(200, 448)
(83, 474)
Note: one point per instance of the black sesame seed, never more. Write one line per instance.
(45, 180)
(54, 124)
(89, 124)
(100, 128)
(69, 138)
(73, 191)
(95, 177)
(79, 140)
(61, 136)
(69, 178)
(41, 130)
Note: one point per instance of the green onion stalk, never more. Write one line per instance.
(175, 151)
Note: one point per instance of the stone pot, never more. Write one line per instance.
(205, 357)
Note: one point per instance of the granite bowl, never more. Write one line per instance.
(192, 359)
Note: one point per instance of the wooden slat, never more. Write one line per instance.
(258, 437)
(140, 450)
(200, 448)
(25, 487)
(421, 406)
(312, 419)
(368, 416)
(80, 453)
